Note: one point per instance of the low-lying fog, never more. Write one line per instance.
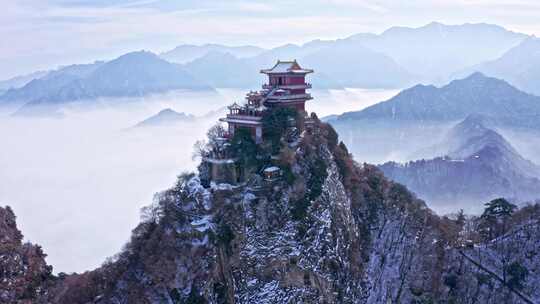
(77, 183)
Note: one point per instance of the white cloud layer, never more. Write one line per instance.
(77, 183)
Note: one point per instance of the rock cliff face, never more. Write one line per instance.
(24, 275)
(331, 231)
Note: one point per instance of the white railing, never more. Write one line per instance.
(290, 96)
(244, 117)
(287, 86)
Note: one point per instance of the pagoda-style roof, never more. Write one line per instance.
(235, 106)
(286, 67)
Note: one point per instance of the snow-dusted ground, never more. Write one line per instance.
(77, 183)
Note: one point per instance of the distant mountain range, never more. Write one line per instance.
(396, 58)
(520, 66)
(189, 52)
(343, 62)
(225, 70)
(49, 84)
(351, 64)
(417, 118)
(479, 165)
(133, 74)
(476, 94)
(165, 117)
(169, 117)
(20, 81)
(476, 134)
(435, 50)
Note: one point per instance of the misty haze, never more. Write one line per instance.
(254, 152)
(97, 170)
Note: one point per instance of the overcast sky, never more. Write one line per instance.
(42, 34)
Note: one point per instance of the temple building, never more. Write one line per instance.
(286, 87)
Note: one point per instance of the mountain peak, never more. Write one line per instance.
(478, 75)
(480, 82)
(165, 117)
(130, 75)
(421, 86)
(471, 136)
(216, 55)
(476, 94)
(475, 78)
(434, 24)
(137, 56)
(478, 164)
(167, 111)
(519, 65)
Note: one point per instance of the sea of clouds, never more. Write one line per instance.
(78, 181)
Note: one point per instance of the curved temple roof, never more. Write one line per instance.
(285, 67)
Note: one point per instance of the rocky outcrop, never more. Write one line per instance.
(24, 274)
(329, 231)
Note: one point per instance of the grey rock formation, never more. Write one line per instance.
(361, 239)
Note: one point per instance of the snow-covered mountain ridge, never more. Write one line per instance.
(474, 164)
(329, 231)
